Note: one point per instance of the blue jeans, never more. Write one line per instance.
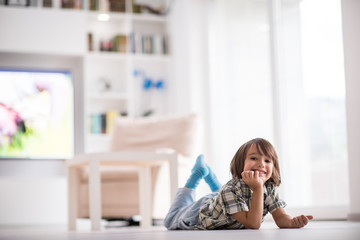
(184, 211)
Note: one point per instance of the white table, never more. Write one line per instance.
(141, 160)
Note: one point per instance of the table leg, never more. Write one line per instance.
(95, 195)
(73, 186)
(145, 196)
(173, 165)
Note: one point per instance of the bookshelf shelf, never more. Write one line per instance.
(100, 136)
(108, 96)
(107, 55)
(149, 18)
(125, 56)
(93, 15)
(150, 57)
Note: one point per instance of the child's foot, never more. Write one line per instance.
(212, 181)
(200, 166)
(199, 171)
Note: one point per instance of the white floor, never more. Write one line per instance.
(322, 230)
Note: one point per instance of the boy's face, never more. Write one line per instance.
(257, 161)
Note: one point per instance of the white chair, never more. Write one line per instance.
(121, 182)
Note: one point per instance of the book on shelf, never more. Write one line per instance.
(71, 4)
(165, 44)
(117, 5)
(110, 120)
(157, 44)
(120, 43)
(108, 5)
(103, 123)
(47, 3)
(134, 43)
(90, 42)
(95, 126)
(148, 44)
(20, 3)
(94, 5)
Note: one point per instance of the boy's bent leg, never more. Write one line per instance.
(184, 197)
(212, 181)
(187, 216)
(198, 172)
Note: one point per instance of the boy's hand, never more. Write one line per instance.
(300, 221)
(252, 179)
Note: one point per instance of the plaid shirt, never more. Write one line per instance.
(235, 196)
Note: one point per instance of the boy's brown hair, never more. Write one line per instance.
(264, 147)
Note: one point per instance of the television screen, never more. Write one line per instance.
(36, 114)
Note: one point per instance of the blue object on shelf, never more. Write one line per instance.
(159, 84)
(147, 83)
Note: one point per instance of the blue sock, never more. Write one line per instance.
(199, 171)
(212, 181)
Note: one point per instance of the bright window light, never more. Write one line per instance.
(312, 105)
(103, 17)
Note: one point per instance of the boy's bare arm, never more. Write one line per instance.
(283, 220)
(253, 217)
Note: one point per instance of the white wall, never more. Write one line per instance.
(351, 38)
(188, 31)
(34, 191)
(24, 30)
(33, 200)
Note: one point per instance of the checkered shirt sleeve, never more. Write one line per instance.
(272, 200)
(232, 201)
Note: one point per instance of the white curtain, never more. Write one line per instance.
(240, 79)
(225, 59)
(312, 103)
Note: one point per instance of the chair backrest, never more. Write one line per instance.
(151, 133)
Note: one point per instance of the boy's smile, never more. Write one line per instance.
(257, 162)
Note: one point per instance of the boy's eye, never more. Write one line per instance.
(253, 158)
(268, 161)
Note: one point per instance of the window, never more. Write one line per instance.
(302, 112)
(312, 104)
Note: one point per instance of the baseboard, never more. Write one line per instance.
(354, 217)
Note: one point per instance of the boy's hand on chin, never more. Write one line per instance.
(252, 179)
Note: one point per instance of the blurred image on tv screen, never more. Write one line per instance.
(36, 114)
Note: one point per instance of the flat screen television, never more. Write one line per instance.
(36, 114)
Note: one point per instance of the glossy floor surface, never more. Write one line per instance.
(336, 230)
